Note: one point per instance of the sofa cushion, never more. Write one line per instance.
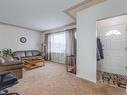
(35, 57)
(19, 54)
(32, 57)
(25, 58)
(28, 53)
(36, 53)
(2, 60)
(8, 59)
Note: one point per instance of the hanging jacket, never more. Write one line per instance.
(100, 54)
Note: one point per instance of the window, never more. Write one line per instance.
(58, 43)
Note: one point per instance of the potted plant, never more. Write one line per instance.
(7, 53)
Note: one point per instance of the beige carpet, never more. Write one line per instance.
(54, 80)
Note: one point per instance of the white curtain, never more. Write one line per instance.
(58, 45)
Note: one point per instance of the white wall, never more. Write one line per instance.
(86, 34)
(10, 38)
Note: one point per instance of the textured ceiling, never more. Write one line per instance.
(40, 15)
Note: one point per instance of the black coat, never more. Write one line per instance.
(100, 54)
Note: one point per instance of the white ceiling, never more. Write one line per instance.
(36, 14)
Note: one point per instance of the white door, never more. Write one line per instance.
(113, 40)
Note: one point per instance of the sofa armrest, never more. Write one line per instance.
(17, 58)
(11, 66)
(11, 63)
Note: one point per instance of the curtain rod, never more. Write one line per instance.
(61, 31)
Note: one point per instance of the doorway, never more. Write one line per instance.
(112, 51)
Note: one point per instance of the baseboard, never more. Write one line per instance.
(84, 78)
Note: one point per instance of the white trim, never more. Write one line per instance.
(82, 77)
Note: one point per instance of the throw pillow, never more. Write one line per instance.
(8, 59)
(2, 59)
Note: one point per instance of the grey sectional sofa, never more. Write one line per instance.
(27, 55)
